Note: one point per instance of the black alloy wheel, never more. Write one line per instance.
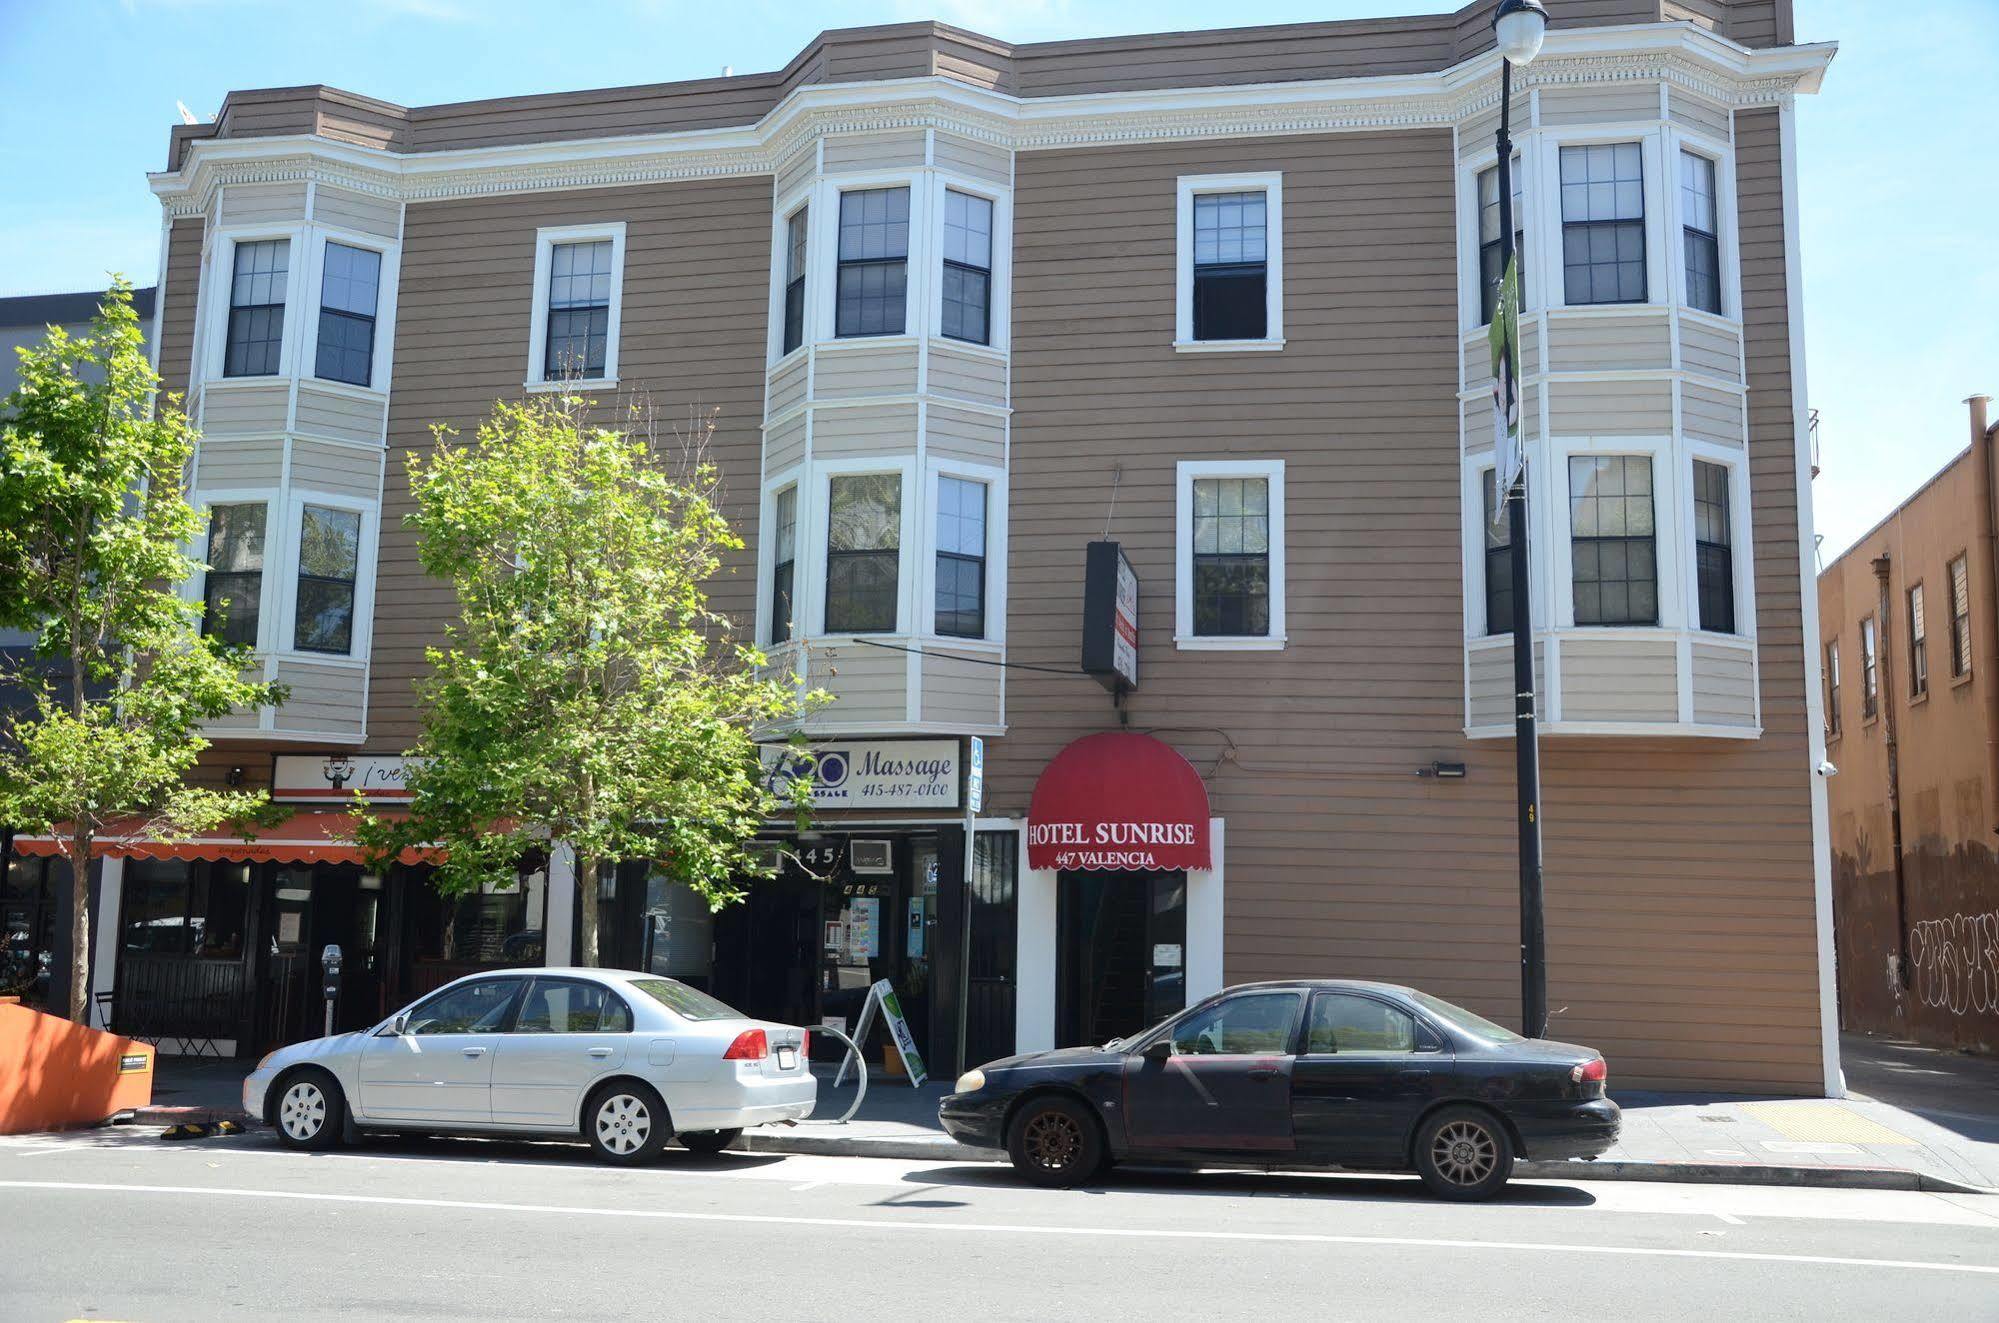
(1056, 1142)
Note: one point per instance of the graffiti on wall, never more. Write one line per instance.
(1955, 963)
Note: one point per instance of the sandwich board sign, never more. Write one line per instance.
(882, 995)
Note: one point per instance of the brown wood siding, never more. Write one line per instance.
(183, 286)
(1679, 882)
(696, 276)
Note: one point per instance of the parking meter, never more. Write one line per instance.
(329, 965)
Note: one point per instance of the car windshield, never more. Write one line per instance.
(688, 1003)
(1476, 1025)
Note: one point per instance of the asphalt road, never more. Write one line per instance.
(117, 1225)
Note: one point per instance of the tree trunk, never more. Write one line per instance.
(79, 929)
(586, 896)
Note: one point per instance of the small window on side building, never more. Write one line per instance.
(1960, 618)
(1870, 673)
(1919, 645)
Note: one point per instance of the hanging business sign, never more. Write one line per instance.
(309, 778)
(1110, 617)
(869, 774)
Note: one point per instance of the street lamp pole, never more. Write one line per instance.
(1518, 27)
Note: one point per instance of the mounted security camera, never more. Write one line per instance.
(1827, 769)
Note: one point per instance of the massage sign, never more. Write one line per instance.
(1119, 802)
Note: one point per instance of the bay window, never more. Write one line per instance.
(968, 263)
(350, 281)
(784, 563)
(254, 338)
(1489, 270)
(873, 274)
(233, 589)
(795, 242)
(1700, 229)
(329, 558)
(1714, 554)
(1603, 223)
(1613, 540)
(863, 552)
(961, 557)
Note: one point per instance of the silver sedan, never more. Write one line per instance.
(626, 1060)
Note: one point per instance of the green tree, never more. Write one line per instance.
(94, 527)
(585, 694)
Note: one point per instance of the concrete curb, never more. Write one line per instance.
(944, 1149)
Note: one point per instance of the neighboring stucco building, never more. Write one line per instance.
(965, 307)
(1909, 627)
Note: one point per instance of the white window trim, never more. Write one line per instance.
(1672, 523)
(1679, 140)
(317, 237)
(195, 588)
(221, 281)
(999, 318)
(995, 554)
(775, 486)
(1660, 211)
(545, 240)
(774, 351)
(822, 245)
(1271, 182)
(1184, 636)
(360, 645)
(912, 540)
(1469, 170)
(1741, 544)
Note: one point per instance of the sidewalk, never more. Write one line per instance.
(1914, 1121)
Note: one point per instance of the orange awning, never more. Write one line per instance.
(308, 836)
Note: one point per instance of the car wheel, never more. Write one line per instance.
(708, 1141)
(310, 1110)
(1056, 1142)
(1464, 1153)
(626, 1122)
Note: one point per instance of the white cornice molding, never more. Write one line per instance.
(1677, 53)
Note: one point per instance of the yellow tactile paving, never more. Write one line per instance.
(1825, 1123)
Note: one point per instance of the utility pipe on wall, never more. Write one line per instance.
(1986, 654)
(1885, 697)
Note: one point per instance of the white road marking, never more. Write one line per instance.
(1005, 1228)
(1731, 1219)
(809, 1185)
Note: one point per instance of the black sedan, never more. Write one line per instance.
(1314, 1072)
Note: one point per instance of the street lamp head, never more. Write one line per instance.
(1517, 27)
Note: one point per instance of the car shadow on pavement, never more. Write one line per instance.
(1330, 1187)
(547, 1152)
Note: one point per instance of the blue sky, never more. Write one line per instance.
(1899, 194)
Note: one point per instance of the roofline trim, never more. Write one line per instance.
(1683, 55)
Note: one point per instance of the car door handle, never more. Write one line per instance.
(473, 1051)
(600, 1051)
(1262, 1072)
(1413, 1076)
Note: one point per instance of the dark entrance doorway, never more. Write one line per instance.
(1121, 942)
(767, 950)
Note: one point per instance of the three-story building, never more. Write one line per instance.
(962, 309)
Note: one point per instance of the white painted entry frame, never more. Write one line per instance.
(1035, 954)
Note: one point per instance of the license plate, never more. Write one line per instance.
(787, 1058)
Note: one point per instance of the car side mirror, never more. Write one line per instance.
(400, 1026)
(1158, 1049)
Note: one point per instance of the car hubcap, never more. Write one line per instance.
(623, 1124)
(303, 1111)
(1053, 1141)
(1465, 1152)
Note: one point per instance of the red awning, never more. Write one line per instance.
(1118, 801)
(308, 836)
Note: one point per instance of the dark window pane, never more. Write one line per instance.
(1603, 224)
(1488, 240)
(784, 547)
(961, 557)
(567, 1006)
(577, 340)
(1703, 272)
(1613, 566)
(1498, 561)
(346, 348)
(1230, 303)
(325, 616)
(1713, 548)
(794, 280)
(860, 591)
(967, 296)
(256, 308)
(870, 298)
(472, 1008)
(235, 577)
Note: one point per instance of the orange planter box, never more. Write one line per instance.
(55, 1074)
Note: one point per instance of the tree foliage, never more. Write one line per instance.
(94, 529)
(585, 694)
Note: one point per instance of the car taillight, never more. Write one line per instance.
(750, 1045)
(805, 1043)
(1590, 1072)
